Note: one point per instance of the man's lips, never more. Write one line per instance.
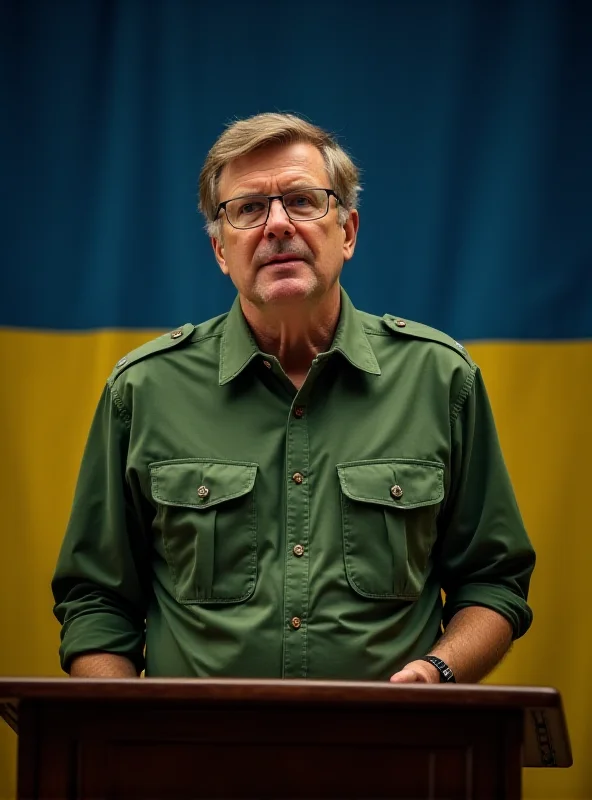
(283, 259)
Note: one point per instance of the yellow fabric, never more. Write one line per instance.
(541, 395)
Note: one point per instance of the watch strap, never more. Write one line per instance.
(446, 674)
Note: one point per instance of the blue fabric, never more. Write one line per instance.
(471, 122)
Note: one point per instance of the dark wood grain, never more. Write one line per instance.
(289, 691)
(117, 739)
(29, 748)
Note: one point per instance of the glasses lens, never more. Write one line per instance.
(306, 203)
(247, 212)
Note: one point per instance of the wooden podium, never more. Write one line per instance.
(157, 738)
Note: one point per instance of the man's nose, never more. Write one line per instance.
(278, 222)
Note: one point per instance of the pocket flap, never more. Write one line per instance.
(397, 483)
(200, 483)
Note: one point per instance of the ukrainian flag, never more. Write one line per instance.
(472, 126)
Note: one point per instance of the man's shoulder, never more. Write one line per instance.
(397, 328)
(172, 340)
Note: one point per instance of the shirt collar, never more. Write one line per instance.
(350, 338)
(238, 346)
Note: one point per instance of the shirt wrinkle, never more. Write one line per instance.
(258, 559)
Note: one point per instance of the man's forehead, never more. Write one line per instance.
(283, 163)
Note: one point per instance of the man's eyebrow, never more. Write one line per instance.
(300, 183)
(289, 186)
(246, 193)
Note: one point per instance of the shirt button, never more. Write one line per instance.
(267, 364)
(400, 323)
(203, 491)
(296, 622)
(298, 550)
(299, 412)
(176, 334)
(297, 477)
(396, 491)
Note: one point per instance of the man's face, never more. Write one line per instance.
(315, 250)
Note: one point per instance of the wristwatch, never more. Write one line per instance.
(446, 674)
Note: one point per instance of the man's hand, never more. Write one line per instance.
(417, 672)
(476, 639)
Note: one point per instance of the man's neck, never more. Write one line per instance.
(296, 334)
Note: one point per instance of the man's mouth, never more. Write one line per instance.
(283, 259)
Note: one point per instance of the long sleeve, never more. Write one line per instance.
(102, 579)
(487, 558)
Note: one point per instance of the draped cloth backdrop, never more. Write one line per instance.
(471, 122)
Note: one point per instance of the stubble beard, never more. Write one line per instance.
(285, 290)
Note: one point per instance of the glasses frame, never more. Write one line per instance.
(270, 198)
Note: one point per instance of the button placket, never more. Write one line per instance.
(297, 532)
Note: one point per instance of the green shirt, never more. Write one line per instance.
(233, 526)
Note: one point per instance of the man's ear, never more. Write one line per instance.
(218, 248)
(350, 230)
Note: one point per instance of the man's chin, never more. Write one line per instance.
(284, 291)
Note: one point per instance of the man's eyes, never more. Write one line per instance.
(298, 200)
(252, 207)
(259, 205)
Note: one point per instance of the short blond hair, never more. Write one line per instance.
(246, 135)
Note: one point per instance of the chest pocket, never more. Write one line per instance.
(389, 510)
(206, 516)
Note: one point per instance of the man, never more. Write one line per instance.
(285, 490)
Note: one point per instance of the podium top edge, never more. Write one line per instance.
(286, 690)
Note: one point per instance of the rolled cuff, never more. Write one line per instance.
(497, 598)
(105, 633)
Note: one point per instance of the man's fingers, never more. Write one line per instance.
(405, 676)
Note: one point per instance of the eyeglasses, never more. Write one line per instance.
(301, 205)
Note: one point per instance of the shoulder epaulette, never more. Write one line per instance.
(406, 327)
(164, 342)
